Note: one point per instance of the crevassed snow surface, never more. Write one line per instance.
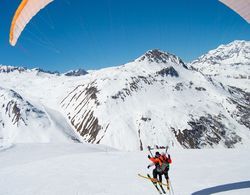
(71, 169)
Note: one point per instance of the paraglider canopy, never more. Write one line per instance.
(25, 12)
(242, 7)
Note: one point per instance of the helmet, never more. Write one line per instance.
(157, 154)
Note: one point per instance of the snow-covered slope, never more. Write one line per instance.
(20, 121)
(156, 100)
(228, 64)
(42, 87)
(39, 92)
(71, 169)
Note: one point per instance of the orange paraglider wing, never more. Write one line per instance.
(25, 12)
(242, 7)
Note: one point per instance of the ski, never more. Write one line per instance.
(154, 183)
(150, 178)
(162, 189)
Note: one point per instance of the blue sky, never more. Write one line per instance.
(70, 34)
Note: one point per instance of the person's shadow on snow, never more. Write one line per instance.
(223, 188)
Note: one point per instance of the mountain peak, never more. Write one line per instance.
(155, 55)
(240, 43)
(160, 57)
(236, 52)
(77, 72)
(235, 46)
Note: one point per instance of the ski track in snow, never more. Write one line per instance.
(72, 169)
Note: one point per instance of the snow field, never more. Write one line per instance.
(28, 169)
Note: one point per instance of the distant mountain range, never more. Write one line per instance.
(155, 100)
(8, 69)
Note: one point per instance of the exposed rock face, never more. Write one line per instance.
(168, 71)
(87, 126)
(17, 109)
(206, 132)
(157, 56)
(135, 85)
(78, 72)
(241, 100)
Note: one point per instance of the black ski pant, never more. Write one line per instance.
(165, 173)
(158, 175)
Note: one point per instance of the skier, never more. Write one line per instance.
(166, 161)
(161, 162)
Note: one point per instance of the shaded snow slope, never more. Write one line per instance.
(72, 169)
(157, 100)
(43, 90)
(20, 121)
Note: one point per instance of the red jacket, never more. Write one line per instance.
(161, 159)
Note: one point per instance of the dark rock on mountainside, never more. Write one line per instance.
(158, 56)
(206, 131)
(241, 100)
(168, 71)
(78, 72)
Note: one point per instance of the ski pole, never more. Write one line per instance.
(166, 149)
(150, 151)
(158, 148)
(171, 188)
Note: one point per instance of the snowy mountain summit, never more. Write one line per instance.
(235, 53)
(156, 99)
(228, 64)
(158, 56)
